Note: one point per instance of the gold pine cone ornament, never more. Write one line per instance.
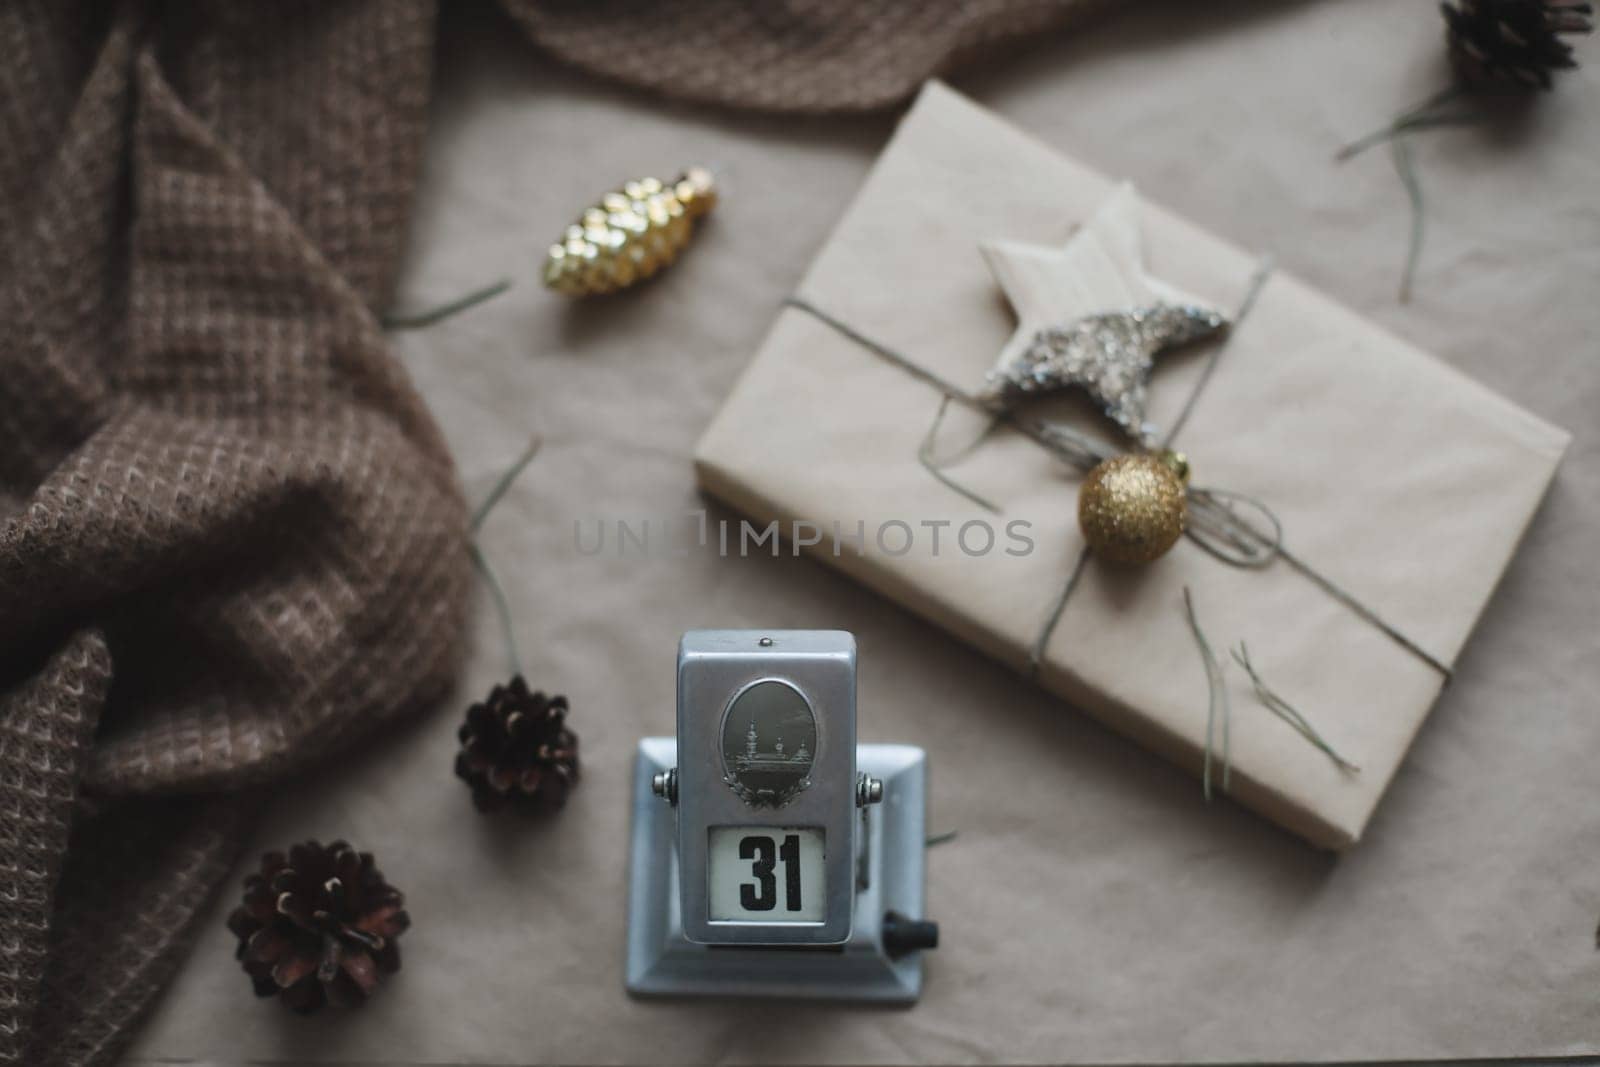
(1132, 508)
(632, 233)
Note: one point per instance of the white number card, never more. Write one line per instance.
(766, 874)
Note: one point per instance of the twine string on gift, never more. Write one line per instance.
(1036, 652)
(1213, 524)
(1217, 524)
(1284, 710)
(1232, 527)
(1216, 699)
(931, 464)
(1066, 444)
(1371, 617)
(1057, 439)
(1258, 281)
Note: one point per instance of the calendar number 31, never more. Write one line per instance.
(764, 855)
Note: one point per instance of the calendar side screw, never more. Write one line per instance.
(869, 790)
(665, 785)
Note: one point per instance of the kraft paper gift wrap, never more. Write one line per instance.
(1396, 479)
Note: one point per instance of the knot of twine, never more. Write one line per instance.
(1234, 528)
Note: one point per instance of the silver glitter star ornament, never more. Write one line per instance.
(1090, 317)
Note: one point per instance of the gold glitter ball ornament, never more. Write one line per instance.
(632, 233)
(1131, 508)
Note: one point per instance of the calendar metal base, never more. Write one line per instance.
(890, 878)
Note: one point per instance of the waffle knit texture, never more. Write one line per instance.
(231, 542)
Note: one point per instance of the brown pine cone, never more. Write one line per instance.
(516, 748)
(318, 924)
(1514, 41)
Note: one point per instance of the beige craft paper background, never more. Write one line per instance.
(1093, 909)
(1395, 477)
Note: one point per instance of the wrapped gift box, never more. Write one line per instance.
(1402, 486)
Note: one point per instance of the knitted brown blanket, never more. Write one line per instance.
(230, 537)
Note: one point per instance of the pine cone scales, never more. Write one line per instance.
(318, 924)
(516, 748)
(1513, 40)
(632, 233)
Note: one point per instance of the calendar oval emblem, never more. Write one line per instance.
(769, 740)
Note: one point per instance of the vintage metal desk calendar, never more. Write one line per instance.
(771, 854)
